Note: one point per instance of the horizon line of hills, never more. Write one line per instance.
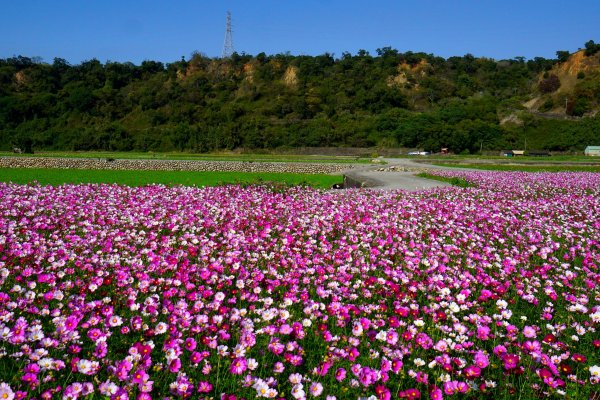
(393, 99)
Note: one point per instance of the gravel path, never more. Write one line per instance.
(398, 173)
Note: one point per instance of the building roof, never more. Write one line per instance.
(592, 148)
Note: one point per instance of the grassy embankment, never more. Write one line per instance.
(196, 156)
(140, 178)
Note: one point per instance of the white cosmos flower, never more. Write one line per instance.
(161, 328)
(115, 320)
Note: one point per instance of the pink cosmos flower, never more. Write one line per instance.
(382, 392)
(323, 368)
(483, 332)
(139, 376)
(391, 337)
(529, 332)
(190, 344)
(397, 365)
(436, 393)
(6, 391)
(411, 393)
(510, 361)
(71, 323)
(238, 366)
(315, 389)
(450, 387)
(204, 387)
(481, 359)
(472, 372)
(31, 379)
(353, 354)
(175, 365)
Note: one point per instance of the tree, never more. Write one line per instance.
(591, 48)
(562, 55)
(550, 84)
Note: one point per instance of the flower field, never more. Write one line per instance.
(109, 291)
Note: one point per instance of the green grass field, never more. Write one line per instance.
(141, 178)
(525, 168)
(194, 156)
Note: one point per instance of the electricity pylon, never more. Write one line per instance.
(228, 44)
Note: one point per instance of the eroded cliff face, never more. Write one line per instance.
(407, 73)
(570, 74)
(578, 62)
(290, 77)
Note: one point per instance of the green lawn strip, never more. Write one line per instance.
(454, 181)
(197, 157)
(140, 178)
(526, 168)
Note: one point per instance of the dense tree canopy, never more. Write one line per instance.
(267, 101)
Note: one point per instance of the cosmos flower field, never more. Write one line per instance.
(236, 292)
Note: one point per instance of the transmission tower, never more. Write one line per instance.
(228, 44)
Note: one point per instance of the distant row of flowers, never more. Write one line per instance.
(114, 292)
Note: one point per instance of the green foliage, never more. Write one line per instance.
(268, 101)
(562, 55)
(591, 48)
(547, 106)
(580, 107)
(454, 181)
(48, 176)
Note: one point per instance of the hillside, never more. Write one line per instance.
(390, 99)
(577, 87)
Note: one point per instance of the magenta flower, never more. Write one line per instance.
(139, 376)
(71, 323)
(238, 366)
(483, 332)
(450, 387)
(397, 365)
(30, 379)
(472, 372)
(481, 359)
(436, 393)
(382, 392)
(175, 365)
(510, 361)
(190, 344)
(353, 354)
(323, 368)
(391, 337)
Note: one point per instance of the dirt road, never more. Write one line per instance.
(398, 173)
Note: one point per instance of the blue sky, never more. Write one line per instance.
(127, 30)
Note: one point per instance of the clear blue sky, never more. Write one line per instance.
(128, 30)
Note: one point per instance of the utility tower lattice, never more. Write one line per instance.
(228, 44)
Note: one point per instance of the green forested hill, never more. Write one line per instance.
(389, 99)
